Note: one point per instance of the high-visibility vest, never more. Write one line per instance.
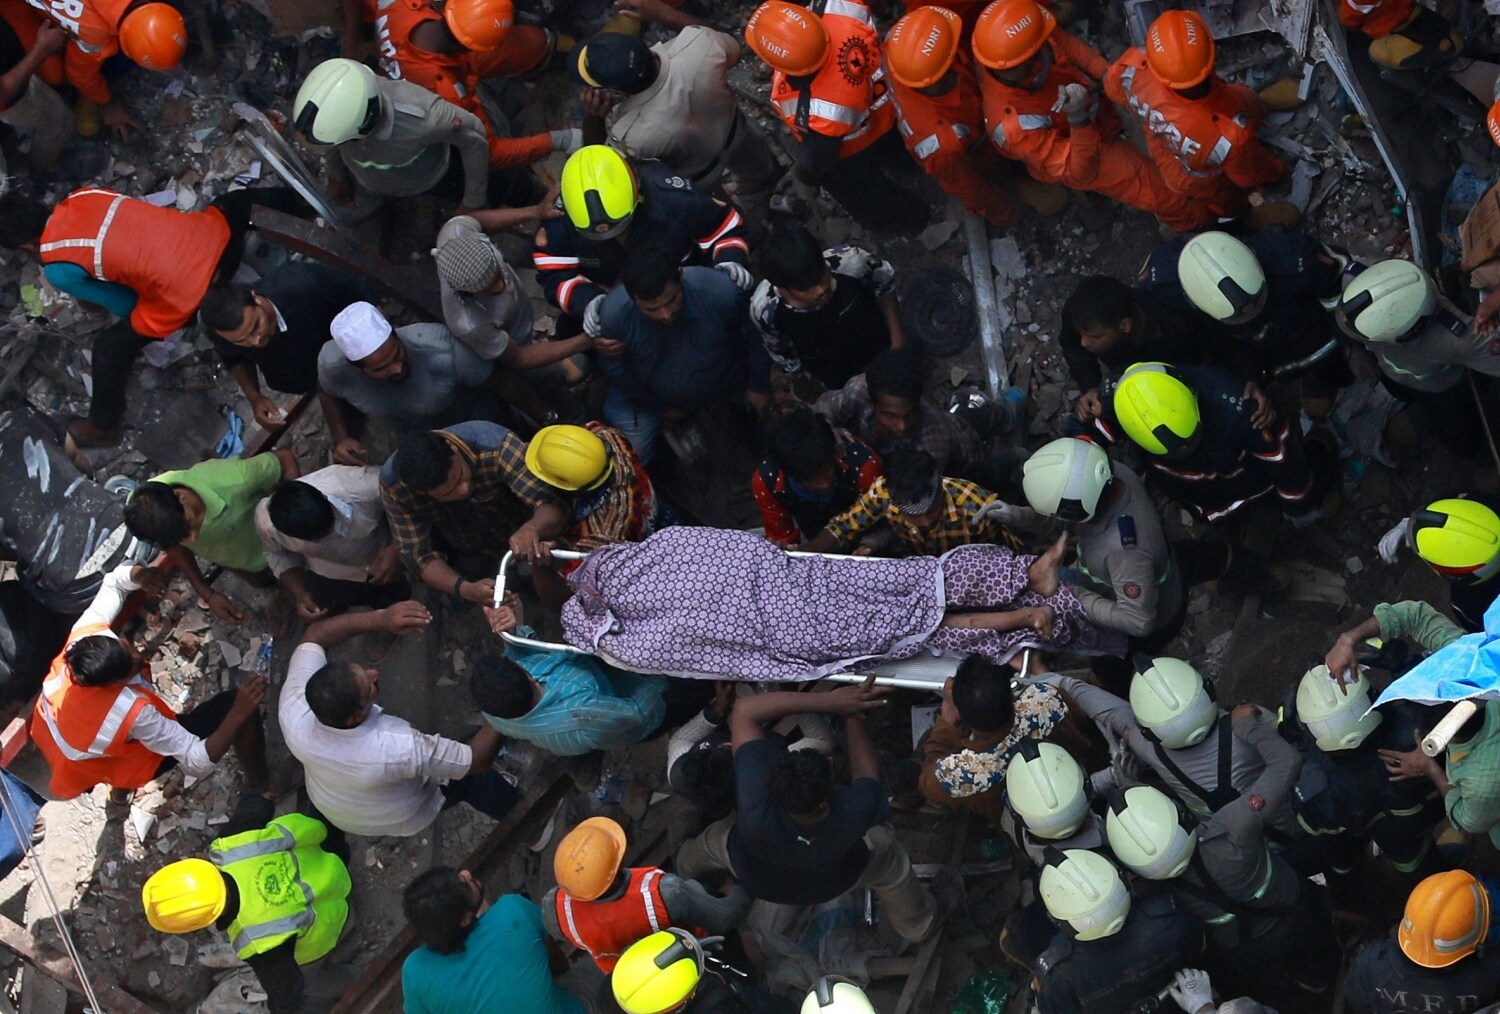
(448, 75)
(606, 928)
(288, 886)
(848, 97)
(167, 257)
(83, 731)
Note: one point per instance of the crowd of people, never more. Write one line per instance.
(1172, 849)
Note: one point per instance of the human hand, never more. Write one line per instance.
(507, 618)
(1265, 414)
(249, 694)
(862, 550)
(592, 326)
(723, 698)
(149, 578)
(739, 274)
(641, 10)
(568, 140)
(1073, 101)
(482, 592)
(1039, 618)
(548, 207)
(223, 609)
(50, 38)
(528, 545)
(407, 617)
(308, 609)
(1191, 990)
(386, 567)
(349, 451)
(267, 414)
(1391, 542)
(1089, 407)
(119, 119)
(1240, 711)
(854, 698)
(1485, 317)
(1403, 765)
(610, 347)
(596, 102)
(1342, 661)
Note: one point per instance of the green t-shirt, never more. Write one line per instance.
(230, 488)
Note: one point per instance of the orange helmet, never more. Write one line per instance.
(1180, 49)
(154, 36)
(1493, 121)
(589, 858)
(1010, 32)
(1447, 917)
(791, 39)
(922, 45)
(479, 25)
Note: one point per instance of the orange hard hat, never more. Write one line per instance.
(1010, 32)
(1493, 122)
(1447, 917)
(589, 857)
(922, 45)
(1180, 49)
(154, 36)
(479, 25)
(789, 38)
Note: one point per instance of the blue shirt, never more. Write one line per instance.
(503, 967)
(586, 705)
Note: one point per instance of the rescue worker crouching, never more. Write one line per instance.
(1459, 538)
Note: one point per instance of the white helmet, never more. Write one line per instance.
(1066, 478)
(1084, 894)
(338, 102)
(1146, 833)
(1045, 787)
(1385, 301)
(1222, 277)
(1337, 717)
(835, 996)
(1171, 700)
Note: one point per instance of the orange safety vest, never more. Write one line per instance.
(83, 731)
(95, 29)
(847, 98)
(167, 257)
(1376, 18)
(949, 124)
(445, 74)
(606, 928)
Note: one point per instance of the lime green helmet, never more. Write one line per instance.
(1157, 409)
(1148, 833)
(1045, 787)
(1065, 478)
(1337, 717)
(1083, 893)
(1172, 703)
(338, 101)
(599, 191)
(1459, 539)
(1221, 276)
(1384, 302)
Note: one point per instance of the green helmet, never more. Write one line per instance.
(1084, 894)
(1337, 717)
(339, 101)
(1385, 301)
(1045, 787)
(600, 191)
(1170, 699)
(1222, 277)
(1147, 833)
(1066, 478)
(1157, 409)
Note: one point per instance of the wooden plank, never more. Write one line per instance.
(15, 938)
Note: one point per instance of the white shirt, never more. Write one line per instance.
(381, 777)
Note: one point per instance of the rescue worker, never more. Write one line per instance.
(1041, 107)
(30, 65)
(278, 890)
(1436, 959)
(836, 996)
(670, 972)
(602, 906)
(1047, 802)
(1111, 953)
(1459, 538)
(1199, 128)
(939, 112)
(829, 89)
(613, 209)
(1404, 34)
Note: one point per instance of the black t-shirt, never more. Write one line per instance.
(778, 860)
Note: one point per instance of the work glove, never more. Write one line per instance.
(1123, 763)
(1074, 100)
(592, 326)
(1391, 542)
(567, 140)
(740, 274)
(1191, 990)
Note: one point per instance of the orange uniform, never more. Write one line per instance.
(94, 25)
(1376, 18)
(24, 20)
(606, 928)
(848, 97)
(945, 134)
(1092, 156)
(1206, 148)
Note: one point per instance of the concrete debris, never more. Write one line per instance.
(936, 236)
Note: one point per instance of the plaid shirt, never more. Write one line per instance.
(502, 495)
(950, 440)
(954, 527)
(622, 510)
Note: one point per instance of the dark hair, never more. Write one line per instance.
(910, 474)
(333, 695)
(792, 258)
(898, 373)
(982, 695)
(435, 904)
(99, 660)
(647, 273)
(500, 687)
(223, 307)
(705, 778)
(152, 514)
(22, 219)
(1099, 301)
(801, 781)
(800, 442)
(300, 510)
(423, 459)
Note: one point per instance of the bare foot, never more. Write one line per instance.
(1042, 577)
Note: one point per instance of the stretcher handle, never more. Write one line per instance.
(1436, 741)
(507, 559)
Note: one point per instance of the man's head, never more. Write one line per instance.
(705, 778)
(469, 262)
(1011, 42)
(428, 463)
(441, 906)
(22, 219)
(915, 484)
(978, 695)
(654, 281)
(368, 341)
(792, 259)
(621, 63)
(101, 660)
(300, 511)
(802, 783)
(802, 444)
(500, 687)
(239, 315)
(1102, 311)
(340, 694)
(895, 379)
(163, 515)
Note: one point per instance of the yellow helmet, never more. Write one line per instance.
(599, 191)
(659, 973)
(589, 857)
(568, 457)
(185, 896)
(1447, 917)
(1459, 539)
(1157, 409)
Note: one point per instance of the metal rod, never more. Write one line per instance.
(992, 342)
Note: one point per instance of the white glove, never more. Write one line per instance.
(592, 326)
(1072, 99)
(740, 274)
(1191, 990)
(568, 140)
(1391, 542)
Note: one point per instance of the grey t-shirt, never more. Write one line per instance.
(486, 324)
(439, 369)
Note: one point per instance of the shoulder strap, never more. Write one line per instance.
(1224, 793)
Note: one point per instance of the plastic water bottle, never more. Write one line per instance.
(260, 665)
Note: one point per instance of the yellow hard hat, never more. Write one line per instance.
(589, 857)
(185, 896)
(599, 191)
(659, 973)
(1457, 538)
(1157, 409)
(1447, 917)
(568, 457)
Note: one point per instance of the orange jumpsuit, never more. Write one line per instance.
(847, 98)
(94, 25)
(945, 134)
(1376, 18)
(455, 76)
(1093, 156)
(1206, 148)
(24, 20)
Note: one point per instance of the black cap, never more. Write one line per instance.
(616, 61)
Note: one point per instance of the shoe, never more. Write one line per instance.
(1282, 96)
(85, 434)
(87, 121)
(1427, 40)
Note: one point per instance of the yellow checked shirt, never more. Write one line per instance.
(955, 526)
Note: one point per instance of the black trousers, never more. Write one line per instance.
(877, 187)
